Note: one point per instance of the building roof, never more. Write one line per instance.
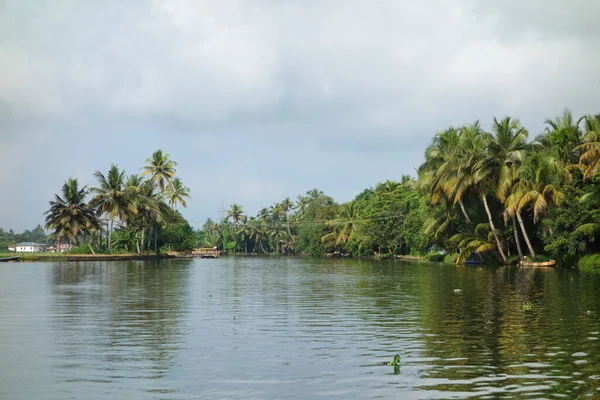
(28, 244)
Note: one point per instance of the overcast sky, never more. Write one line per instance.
(258, 100)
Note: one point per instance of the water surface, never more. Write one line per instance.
(244, 328)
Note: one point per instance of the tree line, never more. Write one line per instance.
(495, 195)
(124, 213)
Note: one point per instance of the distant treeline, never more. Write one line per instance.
(494, 195)
(10, 237)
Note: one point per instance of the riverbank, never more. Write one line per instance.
(60, 257)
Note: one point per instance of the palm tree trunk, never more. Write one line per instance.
(143, 232)
(462, 207)
(246, 245)
(156, 238)
(110, 235)
(137, 244)
(525, 236)
(517, 240)
(262, 248)
(498, 244)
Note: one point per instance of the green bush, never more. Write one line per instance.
(590, 263)
(435, 257)
(81, 249)
(450, 258)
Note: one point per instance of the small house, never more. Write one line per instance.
(29, 247)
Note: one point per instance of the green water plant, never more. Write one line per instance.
(396, 364)
(527, 306)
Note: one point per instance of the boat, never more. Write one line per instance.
(10, 259)
(550, 263)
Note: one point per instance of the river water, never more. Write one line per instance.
(245, 328)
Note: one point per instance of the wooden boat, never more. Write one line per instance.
(9, 259)
(550, 263)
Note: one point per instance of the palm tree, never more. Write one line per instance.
(112, 198)
(344, 225)
(505, 150)
(563, 136)
(177, 193)
(69, 215)
(589, 161)
(278, 234)
(161, 169)
(235, 212)
(437, 173)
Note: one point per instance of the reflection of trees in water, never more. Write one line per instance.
(487, 326)
(123, 315)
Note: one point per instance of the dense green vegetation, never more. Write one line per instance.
(493, 196)
(139, 211)
(10, 237)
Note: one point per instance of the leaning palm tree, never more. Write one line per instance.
(112, 198)
(177, 193)
(505, 150)
(161, 170)
(70, 216)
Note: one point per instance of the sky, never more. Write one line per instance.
(258, 100)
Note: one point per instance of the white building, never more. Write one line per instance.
(29, 247)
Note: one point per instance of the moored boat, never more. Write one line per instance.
(550, 263)
(9, 259)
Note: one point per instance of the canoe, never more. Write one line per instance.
(550, 263)
(8, 259)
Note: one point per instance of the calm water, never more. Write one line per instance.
(295, 328)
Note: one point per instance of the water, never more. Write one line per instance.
(239, 328)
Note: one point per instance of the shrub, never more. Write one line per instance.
(81, 249)
(590, 263)
(450, 258)
(435, 257)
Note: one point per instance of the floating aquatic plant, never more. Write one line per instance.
(396, 364)
(527, 306)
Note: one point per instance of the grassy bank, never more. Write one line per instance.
(57, 257)
(590, 263)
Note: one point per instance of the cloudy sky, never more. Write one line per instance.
(258, 100)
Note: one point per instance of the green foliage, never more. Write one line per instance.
(591, 262)
(81, 249)
(10, 237)
(450, 258)
(436, 257)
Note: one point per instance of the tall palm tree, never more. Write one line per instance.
(177, 193)
(161, 169)
(563, 136)
(438, 173)
(505, 150)
(589, 161)
(235, 212)
(69, 215)
(344, 225)
(112, 198)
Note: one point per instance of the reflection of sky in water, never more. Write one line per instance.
(295, 328)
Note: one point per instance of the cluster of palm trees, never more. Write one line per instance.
(139, 204)
(507, 174)
(269, 232)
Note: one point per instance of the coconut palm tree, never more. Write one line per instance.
(112, 198)
(344, 226)
(505, 150)
(563, 136)
(161, 170)
(235, 212)
(589, 161)
(70, 216)
(438, 173)
(177, 193)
